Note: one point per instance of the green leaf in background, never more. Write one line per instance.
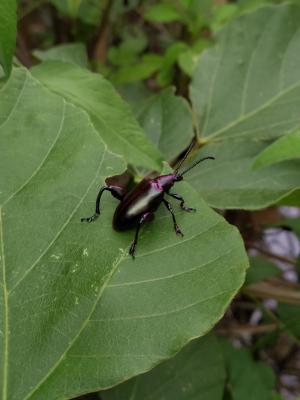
(247, 379)
(261, 67)
(293, 223)
(74, 53)
(143, 69)
(163, 12)
(126, 53)
(223, 13)
(187, 61)
(260, 269)
(230, 181)
(293, 199)
(289, 315)
(109, 114)
(197, 372)
(247, 89)
(88, 11)
(93, 316)
(8, 29)
(170, 58)
(135, 94)
(250, 5)
(285, 148)
(167, 121)
(198, 14)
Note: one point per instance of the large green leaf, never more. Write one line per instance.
(249, 82)
(247, 89)
(197, 372)
(175, 290)
(74, 307)
(167, 121)
(51, 157)
(8, 29)
(109, 114)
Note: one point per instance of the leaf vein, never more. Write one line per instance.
(172, 275)
(162, 314)
(176, 243)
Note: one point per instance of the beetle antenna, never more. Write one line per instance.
(196, 163)
(185, 157)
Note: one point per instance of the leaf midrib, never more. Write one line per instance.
(167, 313)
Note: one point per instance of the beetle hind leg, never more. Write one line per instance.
(144, 218)
(115, 191)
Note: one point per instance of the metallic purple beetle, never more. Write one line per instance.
(139, 204)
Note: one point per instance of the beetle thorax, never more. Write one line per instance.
(165, 182)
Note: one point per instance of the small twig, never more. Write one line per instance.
(244, 305)
(272, 316)
(249, 329)
(22, 52)
(265, 290)
(99, 47)
(276, 281)
(271, 255)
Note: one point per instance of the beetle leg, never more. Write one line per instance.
(145, 217)
(114, 191)
(182, 206)
(176, 227)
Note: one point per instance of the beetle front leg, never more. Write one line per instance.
(145, 217)
(176, 227)
(114, 191)
(180, 198)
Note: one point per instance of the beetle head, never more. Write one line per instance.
(178, 177)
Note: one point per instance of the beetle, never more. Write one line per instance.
(138, 206)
